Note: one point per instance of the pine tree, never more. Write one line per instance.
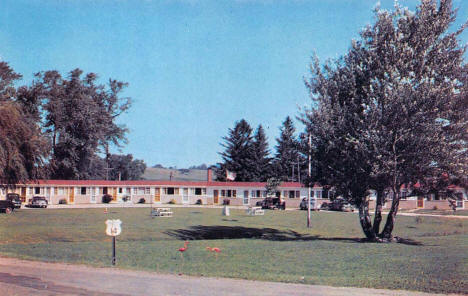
(238, 156)
(287, 154)
(261, 159)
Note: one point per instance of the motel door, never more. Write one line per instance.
(185, 198)
(71, 195)
(157, 194)
(420, 202)
(23, 194)
(246, 197)
(114, 193)
(215, 197)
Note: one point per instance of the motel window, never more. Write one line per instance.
(223, 193)
(298, 194)
(170, 191)
(141, 190)
(198, 191)
(147, 190)
(30, 190)
(83, 191)
(37, 190)
(234, 193)
(128, 190)
(60, 191)
(253, 193)
(135, 190)
(292, 193)
(285, 193)
(319, 194)
(120, 190)
(265, 193)
(229, 193)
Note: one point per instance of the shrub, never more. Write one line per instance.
(172, 202)
(126, 198)
(199, 202)
(435, 208)
(106, 198)
(142, 201)
(62, 201)
(226, 202)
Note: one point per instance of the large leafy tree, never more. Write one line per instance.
(261, 159)
(238, 156)
(80, 119)
(124, 167)
(288, 154)
(393, 110)
(22, 146)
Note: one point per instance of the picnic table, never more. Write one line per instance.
(255, 211)
(161, 212)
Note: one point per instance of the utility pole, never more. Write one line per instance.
(309, 173)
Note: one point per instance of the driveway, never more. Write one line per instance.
(21, 277)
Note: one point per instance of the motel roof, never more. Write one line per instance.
(158, 183)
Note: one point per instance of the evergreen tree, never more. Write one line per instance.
(287, 154)
(261, 159)
(238, 156)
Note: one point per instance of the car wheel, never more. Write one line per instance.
(8, 210)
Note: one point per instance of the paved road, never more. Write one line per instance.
(20, 277)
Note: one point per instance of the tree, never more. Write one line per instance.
(22, 147)
(287, 157)
(79, 119)
(391, 112)
(261, 159)
(124, 167)
(238, 156)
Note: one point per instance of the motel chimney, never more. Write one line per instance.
(209, 175)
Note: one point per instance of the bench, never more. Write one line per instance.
(255, 211)
(161, 212)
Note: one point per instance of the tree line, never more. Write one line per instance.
(62, 128)
(248, 156)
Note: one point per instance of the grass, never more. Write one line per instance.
(274, 247)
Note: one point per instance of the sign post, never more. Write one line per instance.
(113, 229)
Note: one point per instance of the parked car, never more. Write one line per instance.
(303, 204)
(272, 203)
(7, 206)
(325, 206)
(15, 199)
(38, 202)
(341, 205)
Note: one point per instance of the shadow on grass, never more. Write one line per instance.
(201, 232)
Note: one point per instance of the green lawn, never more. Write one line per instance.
(274, 247)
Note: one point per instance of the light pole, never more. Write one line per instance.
(309, 173)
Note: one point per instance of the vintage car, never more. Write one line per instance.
(7, 206)
(15, 199)
(272, 203)
(303, 205)
(38, 202)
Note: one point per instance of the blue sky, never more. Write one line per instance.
(193, 67)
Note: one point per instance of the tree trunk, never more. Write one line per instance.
(390, 223)
(378, 211)
(365, 220)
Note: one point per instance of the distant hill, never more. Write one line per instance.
(177, 174)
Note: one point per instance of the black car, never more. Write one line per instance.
(273, 203)
(6, 206)
(15, 199)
